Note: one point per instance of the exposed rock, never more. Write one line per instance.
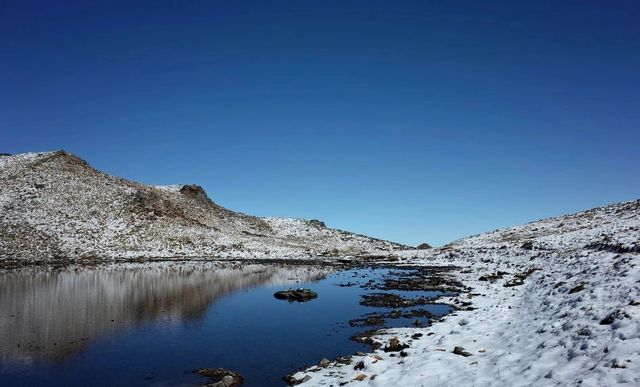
(577, 289)
(299, 295)
(527, 245)
(221, 377)
(394, 345)
(360, 377)
(461, 351)
(612, 317)
(493, 276)
(423, 246)
(292, 381)
(194, 191)
(317, 223)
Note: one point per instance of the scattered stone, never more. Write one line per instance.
(394, 345)
(514, 282)
(367, 338)
(360, 377)
(346, 360)
(373, 320)
(292, 381)
(220, 377)
(388, 300)
(577, 289)
(527, 245)
(359, 366)
(403, 354)
(299, 295)
(612, 317)
(461, 351)
(324, 363)
(493, 276)
(416, 336)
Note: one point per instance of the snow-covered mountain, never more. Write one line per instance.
(53, 206)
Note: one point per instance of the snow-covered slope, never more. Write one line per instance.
(55, 206)
(557, 304)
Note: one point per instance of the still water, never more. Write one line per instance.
(153, 324)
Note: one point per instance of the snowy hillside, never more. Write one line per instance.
(556, 303)
(55, 206)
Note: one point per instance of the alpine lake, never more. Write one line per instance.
(159, 323)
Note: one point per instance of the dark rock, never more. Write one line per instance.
(527, 245)
(298, 295)
(493, 276)
(367, 338)
(359, 366)
(394, 345)
(374, 320)
(221, 377)
(423, 246)
(612, 317)
(346, 360)
(461, 351)
(514, 282)
(606, 245)
(577, 289)
(290, 380)
(388, 300)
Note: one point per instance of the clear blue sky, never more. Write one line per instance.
(410, 121)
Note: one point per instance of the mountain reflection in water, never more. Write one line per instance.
(49, 315)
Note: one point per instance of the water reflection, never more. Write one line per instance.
(51, 314)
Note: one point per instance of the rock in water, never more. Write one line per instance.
(299, 295)
(221, 377)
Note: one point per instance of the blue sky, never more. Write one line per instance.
(410, 121)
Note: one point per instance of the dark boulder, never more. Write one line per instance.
(221, 377)
(461, 351)
(394, 345)
(527, 245)
(299, 295)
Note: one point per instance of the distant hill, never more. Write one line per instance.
(54, 206)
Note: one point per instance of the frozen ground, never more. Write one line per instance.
(570, 318)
